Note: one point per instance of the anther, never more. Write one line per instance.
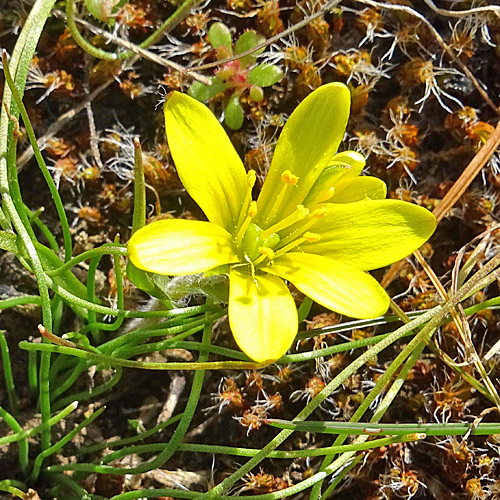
(319, 213)
(289, 179)
(267, 252)
(311, 237)
(251, 178)
(252, 210)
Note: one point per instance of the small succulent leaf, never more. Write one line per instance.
(234, 115)
(333, 284)
(247, 41)
(307, 145)
(177, 247)
(371, 234)
(102, 9)
(256, 93)
(204, 93)
(359, 189)
(262, 315)
(208, 166)
(265, 75)
(219, 35)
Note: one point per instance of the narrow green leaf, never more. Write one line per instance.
(8, 242)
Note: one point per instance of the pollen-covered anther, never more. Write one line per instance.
(251, 178)
(302, 212)
(252, 210)
(311, 237)
(267, 252)
(319, 213)
(289, 179)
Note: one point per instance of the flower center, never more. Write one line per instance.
(254, 244)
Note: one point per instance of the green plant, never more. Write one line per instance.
(237, 76)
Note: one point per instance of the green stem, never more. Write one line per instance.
(112, 361)
(13, 487)
(19, 64)
(119, 442)
(362, 428)
(20, 301)
(21, 435)
(41, 162)
(57, 446)
(23, 441)
(315, 402)
(33, 372)
(9, 379)
(94, 392)
(139, 215)
(94, 262)
(107, 249)
(184, 7)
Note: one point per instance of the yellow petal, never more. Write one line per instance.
(305, 147)
(343, 168)
(371, 234)
(262, 315)
(359, 189)
(356, 161)
(207, 164)
(178, 247)
(332, 284)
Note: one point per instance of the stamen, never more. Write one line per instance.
(299, 214)
(267, 252)
(288, 247)
(311, 237)
(289, 180)
(251, 179)
(271, 254)
(316, 214)
(251, 213)
(319, 213)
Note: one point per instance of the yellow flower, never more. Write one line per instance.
(316, 223)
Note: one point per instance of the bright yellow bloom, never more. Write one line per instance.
(316, 223)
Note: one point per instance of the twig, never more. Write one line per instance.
(461, 13)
